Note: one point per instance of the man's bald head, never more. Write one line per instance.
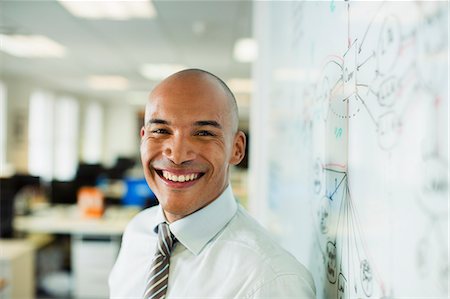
(198, 74)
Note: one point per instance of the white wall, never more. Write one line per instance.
(17, 102)
(120, 123)
(121, 132)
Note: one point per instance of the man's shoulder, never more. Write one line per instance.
(260, 254)
(245, 232)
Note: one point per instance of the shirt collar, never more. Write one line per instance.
(197, 229)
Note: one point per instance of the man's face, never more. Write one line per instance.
(187, 144)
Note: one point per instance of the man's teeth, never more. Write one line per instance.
(180, 178)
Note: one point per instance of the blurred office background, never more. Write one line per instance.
(74, 80)
(345, 105)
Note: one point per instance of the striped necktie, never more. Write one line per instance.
(159, 274)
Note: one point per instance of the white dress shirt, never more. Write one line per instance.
(221, 252)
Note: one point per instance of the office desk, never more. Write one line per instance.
(94, 242)
(16, 269)
(66, 219)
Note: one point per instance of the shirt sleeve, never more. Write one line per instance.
(285, 286)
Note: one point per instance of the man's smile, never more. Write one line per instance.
(179, 179)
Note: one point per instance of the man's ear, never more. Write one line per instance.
(142, 132)
(238, 148)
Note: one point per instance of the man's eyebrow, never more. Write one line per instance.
(212, 123)
(157, 121)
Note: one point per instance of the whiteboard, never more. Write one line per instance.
(349, 153)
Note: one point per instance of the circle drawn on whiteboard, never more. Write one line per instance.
(389, 44)
(366, 278)
(331, 262)
(324, 215)
(346, 108)
(388, 130)
(344, 102)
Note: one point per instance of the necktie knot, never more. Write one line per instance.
(166, 239)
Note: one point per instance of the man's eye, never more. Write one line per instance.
(159, 131)
(205, 133)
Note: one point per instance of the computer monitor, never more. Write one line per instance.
(63, 192)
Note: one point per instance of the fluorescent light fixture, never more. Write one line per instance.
(158, 72)
(240, 85)
(112, 10)
(108, 82)
(31, 46)
(245, 50)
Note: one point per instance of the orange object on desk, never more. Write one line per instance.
(91, 202)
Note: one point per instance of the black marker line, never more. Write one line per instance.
(340, 213)
(349, 47)
(368, 110)
(337, 63)
(363, 85)
(343, 178)
(367, 59)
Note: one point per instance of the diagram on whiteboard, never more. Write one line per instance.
(340, 239)
(358, 145)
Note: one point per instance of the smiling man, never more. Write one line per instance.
(199, 242)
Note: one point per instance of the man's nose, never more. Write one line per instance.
(179, 149)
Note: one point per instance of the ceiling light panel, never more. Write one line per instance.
(245, 50)
(108, 82)
(112, 10)
(31, 46)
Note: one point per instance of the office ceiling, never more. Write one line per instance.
(192, 33)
